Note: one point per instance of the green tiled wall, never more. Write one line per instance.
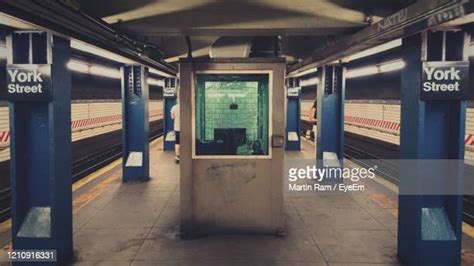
(215, 93)
(218, 98)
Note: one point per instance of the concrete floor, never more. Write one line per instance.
(137, 224)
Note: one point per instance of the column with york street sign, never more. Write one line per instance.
(433, 115)
(39, 91)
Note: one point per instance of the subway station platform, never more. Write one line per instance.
(138, 224)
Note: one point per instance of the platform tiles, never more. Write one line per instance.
(137, 224)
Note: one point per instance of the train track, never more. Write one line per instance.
(389, 171)
(361, 149)
(80, 168)
(357, 153)
(92, 163)
(386, 169)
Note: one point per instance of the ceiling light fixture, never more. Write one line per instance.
(376, 49)
(309, 82)
(303, 73)
(105, 72)
(3, 51)
(372, 70)
(78, 66)
(360, 72)
(392, 66)
(155, 82)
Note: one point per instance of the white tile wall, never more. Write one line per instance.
(81, 111)
(384, 112)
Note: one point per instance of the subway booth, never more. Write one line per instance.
(232, 145)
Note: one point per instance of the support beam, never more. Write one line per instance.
(293, 114)
(40, 126)
(421, 15)
(330, 112)
(57, 17)
(235, 31)
(135, 133)
(432, 150)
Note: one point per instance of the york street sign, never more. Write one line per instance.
(27, 82)
(445, 81)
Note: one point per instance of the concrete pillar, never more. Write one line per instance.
(40, 144)
(135, 133)
(432, 149)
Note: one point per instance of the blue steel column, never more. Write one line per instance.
(40, 148)
(168, 103)
(293, 115)
(135, 133)
(430, 130)
(330, 111)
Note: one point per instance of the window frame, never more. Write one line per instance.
(195, 74)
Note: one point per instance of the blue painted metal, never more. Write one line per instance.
(429, 226)
(330, 111)
(293, 116)
(135, 133)
(168, 103)
(40, 150)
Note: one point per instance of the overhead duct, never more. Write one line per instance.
(231, 47)
(244, 47)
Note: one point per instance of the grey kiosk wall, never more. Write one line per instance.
(232, 145)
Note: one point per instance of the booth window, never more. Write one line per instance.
(232, 114)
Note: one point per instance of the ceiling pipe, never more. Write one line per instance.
(190, 47)
(67, 22)
(421, 15)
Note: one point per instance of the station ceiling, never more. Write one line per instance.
(304, 25)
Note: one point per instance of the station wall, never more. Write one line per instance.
(371, 118)
(88, 118)
(380, 120)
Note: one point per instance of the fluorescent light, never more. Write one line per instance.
(88, 48)
(471, 50)
(78, 66)
(360, 72)
(105, 71)
(371, 51)
(309, 82)
(155, 82)
(3, 50)
(377, 49)
(160, 73)
(302, 73)
(97, 70)
(85, 47)
(380, 68)
(392, 66)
